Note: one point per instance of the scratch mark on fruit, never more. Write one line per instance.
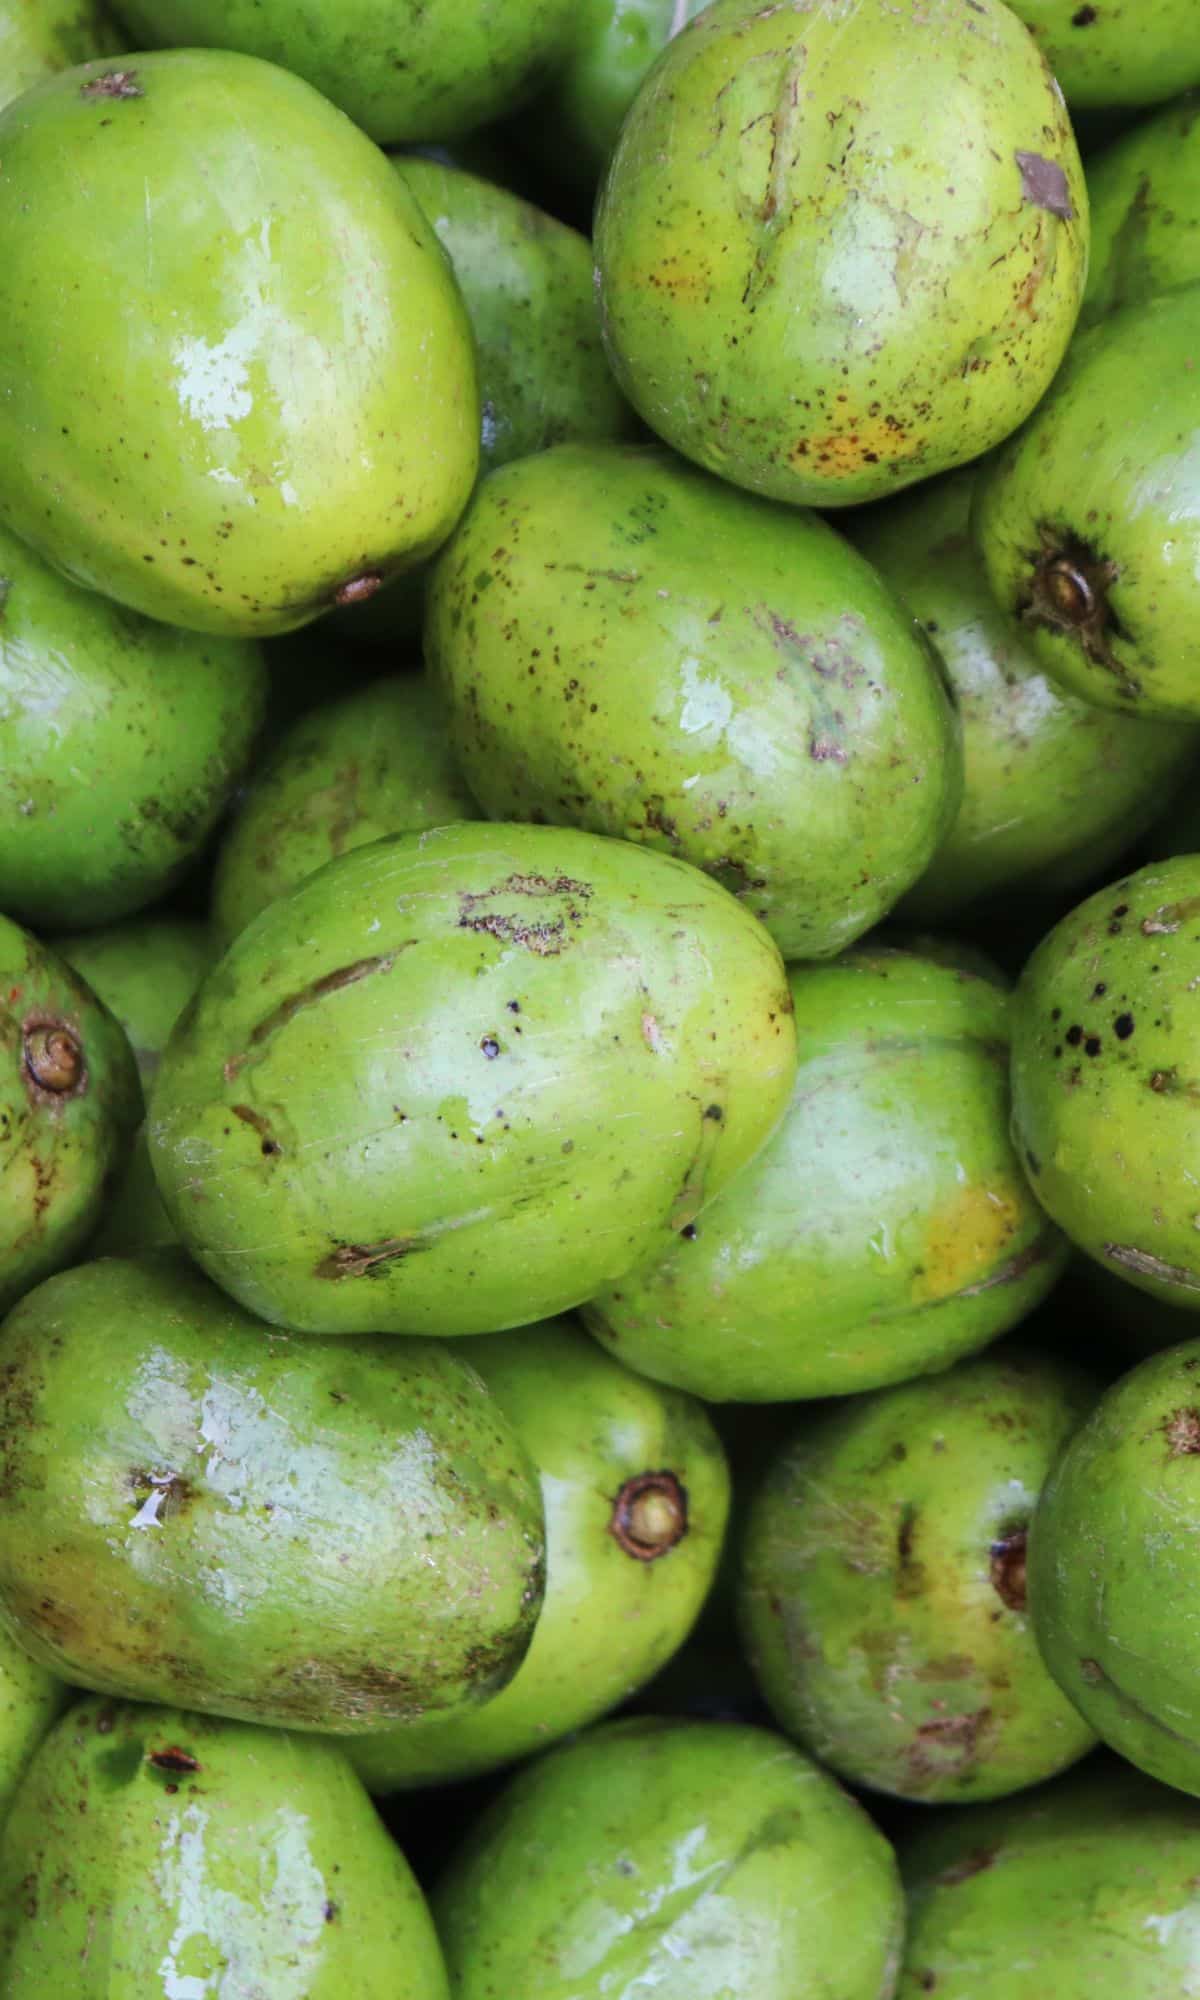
(113, 83)
(309, 996)
(1147, 1265)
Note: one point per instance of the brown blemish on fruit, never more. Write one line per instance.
(545, 939)
(309, 996)
(1182, 1432)
(970, 1864)
(957, 1734)
(1044, 183)
(358, 1260)
(1147, 1265)
(113, 83)
(1007, 1568)
(649, 1515)
(173, 1759)
(257, 1123)
(359, 588)
(52, 1060)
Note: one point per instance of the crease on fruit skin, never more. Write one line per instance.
(308, 996)
(1147, 1265)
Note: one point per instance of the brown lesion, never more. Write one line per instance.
(363, 1260)
(309, 996)
(357, 589)
(173, 1759)
(1007, 1567)
(114, 83)
(53, 1061)
(1182, 1432)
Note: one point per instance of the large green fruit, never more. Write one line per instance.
(1132, 52)
(40, 37)
(1055, 788)
(842, 243)
(237, 383)
(628, 645)
(155, 1852)
(1145, 197)
(636, 1493)
(1086, 1890)
(1089, 521)
(70, 1103)
(417, 69)
(883, 1583)
(371, 763)
(145, 971)
(1115, 1567)
(457, 1081)
(1106, 1076)
(121, 742)
(318, 1534)
(693, 1861)
(884, 1231)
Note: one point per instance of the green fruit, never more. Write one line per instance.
(367, 764)
(1083, 1889)
(625, 644)
(842, 243)
(1055, 789)
(426, 69)
(691, 1860)
(134, 1218)
(30, 1698)
(613, 43)
(1088, 521)
(152, 1851)
(121, 742)
(1114, 1568)
(318, 1534)
(636, 1493)
(1133, 52)
(458, 1080)
(886, 1229)
(145, 971)
(1106, 1074)
(883, 1583)
(70, 1103)
(258, 397)
(1145, 212)
(40, 37)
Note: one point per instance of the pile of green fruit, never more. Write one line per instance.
(596, 1390)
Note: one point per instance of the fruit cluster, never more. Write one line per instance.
(549, 1034)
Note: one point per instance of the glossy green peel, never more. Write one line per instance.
(155, 1851)
(1145, 196)
(326, 1535)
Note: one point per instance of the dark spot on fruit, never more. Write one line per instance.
(1044, 183)
(1123, 1027)
(1084, 16)
(1182, 1432)
(1032, 1161)
(113, 83)
(173, 1759)
(1099, 990)
(689, 1231)
(329, 1912)
(714, 1112)
(971, 1864)
(1007, 1568)
(927, 1981)
(1056, 1013)
(514, 1006)
(1092, 1672)
(1075, 1035)
(649, 1515)
(490, 1047)
(257, 1123)
(1092, 1046)
(1122, 910)
(358, 588)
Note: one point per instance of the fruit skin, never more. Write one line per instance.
(201, 440)
(427, 69)
(38, 40)
(636, 1494)
(481, 1071)
(625, 644)
(120, 743)
(1105, 1060)
(70, 1103)
(1055, 788)
(882, 1587)
(1145, 212)
(1133, 52)
(30, 1699)
(703, 1861)
(156, 1851)
(841, 246)
(885, 1230)
(1113, 1568)
(370, 763)
(322, 1535)
(1088, 521)
(1084, 1887)
(145, 971)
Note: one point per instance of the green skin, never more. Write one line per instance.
(1133, 52)
(1145, 196)
(1089, 521)
(697, 1861)
(152, 1851)
(886, 1229)
(219, 435)
(321, 1535)
(842, 243)
(543, 375)
(1114, 1568)
(121, 742)
(628, 1566)
(40, 37)
(70, 1103)
(368, 764)
(1106, 1074)
(457, 1081)
(419, 69)
(625, 644)
(134, 1218)
(145, 971)
(882, 1586)
(1056, 789)
(30, 1699)
(1084, 1889)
